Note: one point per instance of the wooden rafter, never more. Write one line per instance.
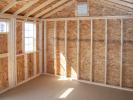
(26, 6)
(58, 9)
(39, 7)
(111, 4)
(127, 4)
(51, 8)
(11, 4)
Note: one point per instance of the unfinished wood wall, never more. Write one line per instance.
(26, 63)
(4, 61)
(103, 55)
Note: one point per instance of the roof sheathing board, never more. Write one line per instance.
(47, 7)
(17, 6)
(33, 6)
(4, 3)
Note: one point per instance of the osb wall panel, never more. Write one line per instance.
(114, 45)
(96, 8)
(60, 49)
(85, 50)
(3, 43)
(3, 73)
(128, 53)
(50, 47)
(19, 38)
(72, 49)
(30, 60)
(37, 63)
(37, 36)
(98, 50)
(20, 69)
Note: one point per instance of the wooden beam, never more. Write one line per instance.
(58, 9)
(51, 8)
(26, 7)
(39, 7)
(114, 5)
(7, 16)
(11, 4)
(122, 3)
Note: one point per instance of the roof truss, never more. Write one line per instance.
(58, 9)
(127, 4)
(51, 8)
(10, 5)
(39, 7)
(26, 6)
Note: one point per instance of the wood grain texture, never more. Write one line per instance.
(3, 43)
(85, 50)
(50, 47)
(19, 43)
(30, 60)
(20, 69)
(3, 73)
(72, 49)
(98, 50)
(61, 58)
(128, 54)
(114, 47)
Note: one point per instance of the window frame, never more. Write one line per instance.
(33, 37)
(76, 11)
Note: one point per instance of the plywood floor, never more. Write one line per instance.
(51, 88)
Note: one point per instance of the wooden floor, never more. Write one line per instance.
(52, 88)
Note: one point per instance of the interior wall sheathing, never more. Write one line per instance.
(37, 36)
(72, 49)
(19, 33)
(4, 73)
(114, 51)
(85, 50)
(30, 60)
(50, 47)
(128, 53)
(60, 49)
(107, 49)
(3, 43)
(20, 69)
(37, 63)
(3, 61)
(98, 50)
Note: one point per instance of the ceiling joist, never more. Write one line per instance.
(58, 9)
(121, 7)
(26, 7)
(127, 4)
(51, 8)
(39, 7)
(10, 5)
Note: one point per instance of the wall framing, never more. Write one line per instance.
(105, 18)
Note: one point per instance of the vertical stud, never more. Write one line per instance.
(55, 48)
(78, 44)
(106, 49)
(66, 44)
(91, 62)
(45, 46)
(121, 55)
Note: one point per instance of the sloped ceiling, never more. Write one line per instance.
(39, 8)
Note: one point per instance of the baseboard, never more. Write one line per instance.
(94, 83)
(25, 81)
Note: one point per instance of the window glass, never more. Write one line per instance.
(30, 37)
(82, 9)
(3, 26)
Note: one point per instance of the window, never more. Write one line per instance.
(82, 9)
(3, 26)
(30, 37)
